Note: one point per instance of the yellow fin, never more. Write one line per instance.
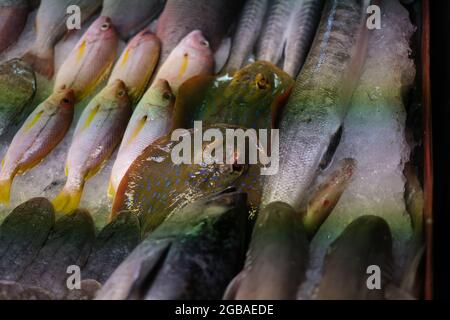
(184, 65)
(33, 122)
(91, 117)
(111, 191)
(138, 129)
(81, 50)
(66, 170)
(3, 163)
(125, 58)
(67, 202)
(93, 85)
(5, 189)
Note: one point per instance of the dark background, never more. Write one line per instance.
(440, 86)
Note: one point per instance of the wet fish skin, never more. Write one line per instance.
(113, 244)
(192, 255)
(180, 17)
(22, 234)
(90, 61)
(312, 119)
(39, 135)
(300, 34)
(68, 244)
(154, 186)
(151, 120)
(137, 63)
(366, 241)
(244, 39)
(328, 194)
(130, 16)
(98, 132)
(271, 43)
(50, 28)
(13, 17)
(191, 57)
(276, 259)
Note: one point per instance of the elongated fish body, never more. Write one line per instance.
(98, 132)
(39, 135)
(192, 57)
(271, 44)
(50, 27)
(327, 195)
(248, 29)
(365, 242)
(192, 255)
(151, 120)
(180, 17)
(300, 33)
(312, 119)
(13, 17)
(155, 185)
(277, 258)
(129, 16)
(22, 235)
(91, 59)
(136, 65)
(68, 244)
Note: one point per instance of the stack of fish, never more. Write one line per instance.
(299, 66)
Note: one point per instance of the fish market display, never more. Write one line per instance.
(17, 89)
(150, 121)
(311, 121)
(137, 63)
(154, 186)
(91, 60)
(192, 255)
(277, 257)
(367, 241)
(13, 16)
(130, 16)
(191, 57)
(97, 134)
(180, 17)
(250, 98)
(39, 135)
(244, 39)
(50, 28)
(22, 234)
(288, 31)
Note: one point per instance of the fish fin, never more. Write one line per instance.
(233, 287)
(91, 87)
(5, 190)
(67, 201)
(111, 191)
(42, 63)
(222, 54)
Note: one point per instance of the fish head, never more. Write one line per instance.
(101, 28)
(196, 50)
(143, 37)
(117, 91)
(197, 41)
(64, 97)
(161, 94)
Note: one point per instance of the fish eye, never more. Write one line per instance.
(121, 93)
(65, 101)
(261, 82)
(204, 43)
(105, 26)
(167, 96)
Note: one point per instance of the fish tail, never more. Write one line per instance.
(41, 62)
(5, 190)
(67, 201)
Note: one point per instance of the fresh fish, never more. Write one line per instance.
(248, 29)
(365, 242)
(250, 98)
(130, 16)
(11, 290)
(39, 135)
(300, 33)
(137, 63)
(151, 120)
(192, 57)
(68, 244)
(311, 122)
(272, 39)
(277, 258)
(154, 186)
(50, 28)
(327, 195)
(17, 89)
(91, 59)
(13, 17)
(180, 17)
(22, 234)
(192, 255)
(114, 243)
(98, 132)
